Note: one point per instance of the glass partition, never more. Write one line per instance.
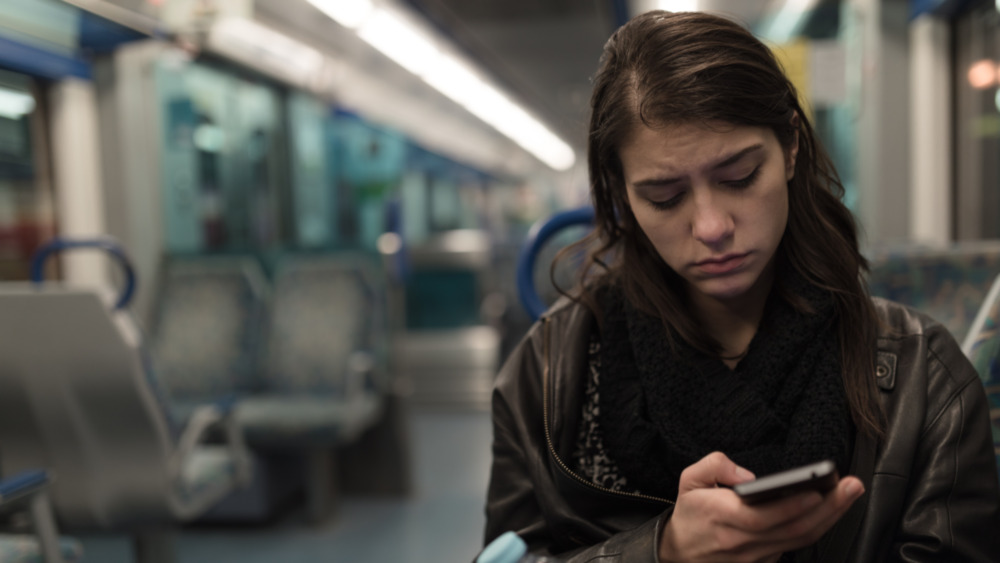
(222, 160)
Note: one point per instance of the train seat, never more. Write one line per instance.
(300, 355)
(948, 283)
(448, 345)
(323, 373)
(209, 330)
(28, 492)
(982, 346)
(75, 399)
(535, 251)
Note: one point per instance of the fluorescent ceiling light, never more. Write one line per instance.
(400, 41)
(425, 55)
(15, 104)
(348, 13)
(679, 5)
(457, 81)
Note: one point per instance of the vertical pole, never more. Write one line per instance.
(930, 126)
(45, 528)
(77, 175)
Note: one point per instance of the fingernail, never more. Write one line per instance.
(854, 489)
(743, 473)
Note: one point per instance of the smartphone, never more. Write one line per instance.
(821, 477)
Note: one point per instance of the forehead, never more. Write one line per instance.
(687, 147)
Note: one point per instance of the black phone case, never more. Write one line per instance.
(821, 477)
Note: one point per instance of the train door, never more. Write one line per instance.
(222, 159)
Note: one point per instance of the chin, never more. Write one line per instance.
(724, 289)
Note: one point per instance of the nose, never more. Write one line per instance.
(711, 224)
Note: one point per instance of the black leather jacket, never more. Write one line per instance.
(931, 483)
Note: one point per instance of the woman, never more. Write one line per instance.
(724, 331)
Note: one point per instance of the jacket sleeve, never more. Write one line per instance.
(953, 508)
(512, 503)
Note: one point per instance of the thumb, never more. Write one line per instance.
(712, 470)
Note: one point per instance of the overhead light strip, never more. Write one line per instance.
(429, 57)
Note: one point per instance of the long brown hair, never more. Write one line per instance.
(664, 68)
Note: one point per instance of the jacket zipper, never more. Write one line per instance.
(548, 434)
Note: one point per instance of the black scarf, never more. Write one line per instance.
(783, 406)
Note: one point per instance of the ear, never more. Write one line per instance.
(792, 151)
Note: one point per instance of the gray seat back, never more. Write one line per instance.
(324, 312)
(209, 327)
(74, 399)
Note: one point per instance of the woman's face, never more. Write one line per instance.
(713, 200)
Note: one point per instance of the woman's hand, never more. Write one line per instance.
(711, 523)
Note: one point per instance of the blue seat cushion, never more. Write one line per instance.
(947, 284)
(24, 548)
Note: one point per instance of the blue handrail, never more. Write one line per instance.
(539, 234)
(106, 244)
(24, 483)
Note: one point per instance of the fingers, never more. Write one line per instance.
(806, 528)
(834, 506)
(713, 523)
(712, 470)
(770, 515)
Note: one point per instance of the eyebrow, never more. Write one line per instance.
(721, 164)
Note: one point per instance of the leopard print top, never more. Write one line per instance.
(592, 460)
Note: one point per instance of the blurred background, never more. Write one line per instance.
(321, 204)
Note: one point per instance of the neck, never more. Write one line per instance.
(733, 322)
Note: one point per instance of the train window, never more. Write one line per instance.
(222, 160)
(312, 172)
(26, 215)
(977, 122)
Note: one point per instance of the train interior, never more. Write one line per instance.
(261, 260)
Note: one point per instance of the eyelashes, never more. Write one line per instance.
(746, 181)
(667, 204)
(739, 184)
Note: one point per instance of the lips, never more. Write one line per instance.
(722, 265)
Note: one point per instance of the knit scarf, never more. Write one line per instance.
(783, 406)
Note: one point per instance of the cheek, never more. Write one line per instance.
(645, 218)
(774, 210)
(662, 234)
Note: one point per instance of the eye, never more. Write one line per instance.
(746, 181)
(668, 203)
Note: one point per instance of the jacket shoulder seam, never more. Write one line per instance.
(953, 396)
